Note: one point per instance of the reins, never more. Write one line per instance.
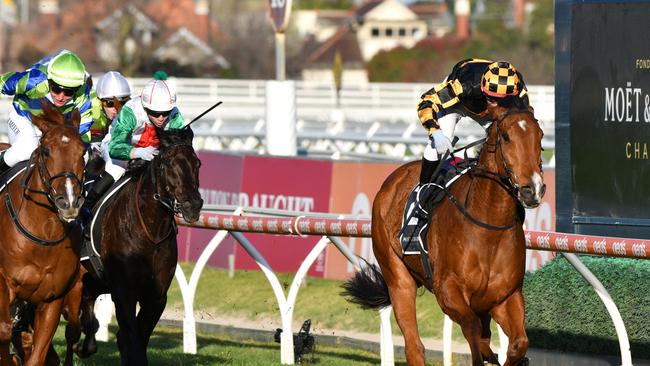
(505, 181)
(24, 184)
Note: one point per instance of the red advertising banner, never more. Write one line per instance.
(284, 184)
(354, 186)
(220, 180)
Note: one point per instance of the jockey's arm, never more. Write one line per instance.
(427, 109)
(33, 84)
(120, 145)
(83, 103)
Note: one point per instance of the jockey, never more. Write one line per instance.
(110, 94)
(470, 90)
(59, 78)
(132, 135)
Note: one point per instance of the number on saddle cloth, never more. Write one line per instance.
(422, 201)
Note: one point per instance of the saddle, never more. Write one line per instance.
(422, 201)
(12, 173)
(91, 247)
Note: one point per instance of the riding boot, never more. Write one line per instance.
(427, 169)
(3, 166)
(101, 185)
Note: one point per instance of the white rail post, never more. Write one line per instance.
(386, 349)
(624, 343)
(188, 290)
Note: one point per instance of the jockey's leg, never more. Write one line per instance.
(113, 171)
(23, 137)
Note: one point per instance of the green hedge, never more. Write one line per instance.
(563, 312)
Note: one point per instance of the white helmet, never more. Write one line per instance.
(157, 96)
(113, 85)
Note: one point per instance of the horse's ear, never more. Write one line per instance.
(41, 123)
(75, 118)
(494, 110)
(188, 134)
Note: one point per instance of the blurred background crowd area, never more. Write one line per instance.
(370, 41)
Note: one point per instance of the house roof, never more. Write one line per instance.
(366, 7)
(183, 35)
(176, 14)
(343, 41)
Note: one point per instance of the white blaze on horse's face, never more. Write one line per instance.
(522, 124)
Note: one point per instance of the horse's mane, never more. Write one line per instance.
(167, 138)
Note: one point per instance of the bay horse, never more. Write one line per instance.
(138, 247)
(476, 246)
(39, 251)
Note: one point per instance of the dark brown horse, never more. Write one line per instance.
(476, 248)
(138, 246)
(39, 253)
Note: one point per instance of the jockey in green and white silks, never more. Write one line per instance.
(111, 92)
(59, 78)
(132, 135)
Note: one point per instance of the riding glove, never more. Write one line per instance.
(440, 142)
(144, 153)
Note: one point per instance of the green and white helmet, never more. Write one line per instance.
(158, 96)
(66, 69)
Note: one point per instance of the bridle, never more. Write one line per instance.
(46, 179)
(505, 180)
(167, 199)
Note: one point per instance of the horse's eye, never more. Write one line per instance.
(46, 152)
(506, 138)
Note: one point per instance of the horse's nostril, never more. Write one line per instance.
(61, 203)
(543, 190)
(527, 191)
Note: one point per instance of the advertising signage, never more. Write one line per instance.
(603, 54)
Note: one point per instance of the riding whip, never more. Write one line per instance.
(203, 114)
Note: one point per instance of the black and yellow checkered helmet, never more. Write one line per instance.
(500, 80)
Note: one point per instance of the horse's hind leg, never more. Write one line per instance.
(510, 316)
(489, 356)
(453, 303)
(402, 289)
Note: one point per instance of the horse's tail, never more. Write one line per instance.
(367, 288)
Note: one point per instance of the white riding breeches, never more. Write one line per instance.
(114, 167)
(23, 137)
(447, 126)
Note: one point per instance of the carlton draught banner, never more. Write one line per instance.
(610, 110)
(307, 185)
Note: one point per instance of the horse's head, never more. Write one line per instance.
(59, 161)
(516, 139)
(179, 172)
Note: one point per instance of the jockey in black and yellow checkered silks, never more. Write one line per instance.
(466, 92)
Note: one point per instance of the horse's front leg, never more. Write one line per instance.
(46, 321)
(452, 302)
(72, 307)
(486, 334)
(510, 316)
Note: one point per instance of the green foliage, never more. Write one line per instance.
(417, 64)
(323, 4)
(564, 313)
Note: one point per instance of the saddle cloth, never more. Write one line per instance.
(422, 201)
(91, 247)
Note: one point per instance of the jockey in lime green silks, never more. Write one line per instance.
(60, 79)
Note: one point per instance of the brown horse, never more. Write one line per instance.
(39, 255)
(476, 247)
(138, 248)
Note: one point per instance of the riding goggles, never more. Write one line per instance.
(156, 114)
(58, 89)
(110, 103)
